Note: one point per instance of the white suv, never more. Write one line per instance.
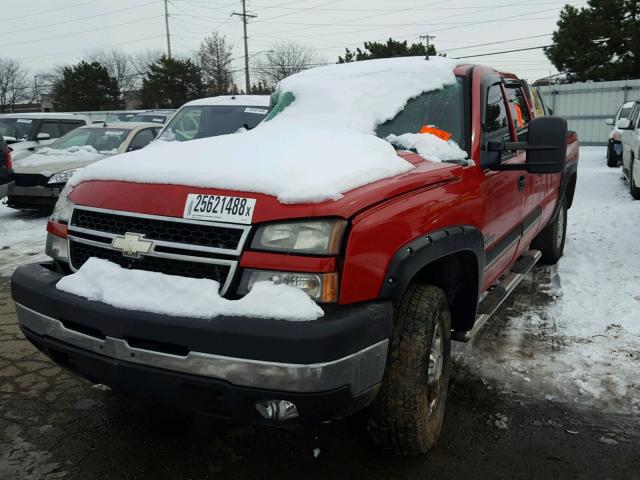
(28, 131)
(614, 149)
(630, 129)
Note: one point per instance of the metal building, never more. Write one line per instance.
(587, 105)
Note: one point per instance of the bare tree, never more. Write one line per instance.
(142, 60)
(214, 57)
(119, 65)
(15, 85)
(284, 59)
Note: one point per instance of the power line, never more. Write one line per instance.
(75, 19)
(48, 11)
(504, 51)
(496, 43)
(78, 33)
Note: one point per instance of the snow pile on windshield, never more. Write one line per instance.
(50, 155)
(429, 146)
(316, 148)
(102, 281)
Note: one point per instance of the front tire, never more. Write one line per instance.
(612, 156)
(551, 240)
(407, 415)
(633, 189)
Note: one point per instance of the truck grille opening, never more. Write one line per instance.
(215, 236)
(81, 252)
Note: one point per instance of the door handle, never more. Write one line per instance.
(522, 182)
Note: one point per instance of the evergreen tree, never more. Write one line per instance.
(86, 86)
(171, 82)
(392, 48)
(598, 42)
(260, 88)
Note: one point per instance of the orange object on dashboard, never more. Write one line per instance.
(436, 131)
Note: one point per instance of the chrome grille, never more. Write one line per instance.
(187, 248)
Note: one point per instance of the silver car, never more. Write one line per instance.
(38, 178)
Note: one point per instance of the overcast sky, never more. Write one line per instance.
(43, 33)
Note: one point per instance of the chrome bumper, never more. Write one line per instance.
(360, 370)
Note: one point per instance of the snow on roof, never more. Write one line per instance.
(226, 100)
(316, 148)
(104, 281)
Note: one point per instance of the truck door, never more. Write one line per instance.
(537, 194)
(502, 192)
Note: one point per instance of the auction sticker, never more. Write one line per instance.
(219, 208)
(259, 111)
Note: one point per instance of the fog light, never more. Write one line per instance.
(277, 409)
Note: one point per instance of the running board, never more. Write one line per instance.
(497, 294)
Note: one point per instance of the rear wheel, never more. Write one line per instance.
(612, 156)
(551, 240)
(406, 416)
(633, 189)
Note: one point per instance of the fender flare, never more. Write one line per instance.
(569, 172)
(422, 251)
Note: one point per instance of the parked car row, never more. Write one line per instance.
(43, 150)
(624, 144)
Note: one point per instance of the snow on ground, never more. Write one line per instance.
(103, 281)
(22, 238)
(572, 332)
(319, 145)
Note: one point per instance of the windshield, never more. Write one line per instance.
(212, 120)
(441, 110)
(18, 128)
(102, 139)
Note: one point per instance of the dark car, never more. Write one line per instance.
(5, 166)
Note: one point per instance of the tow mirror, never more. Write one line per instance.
(43, 136)
(609, 121)
(546, 147)
(624, 124)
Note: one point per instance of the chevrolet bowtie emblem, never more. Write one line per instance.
(132, 244)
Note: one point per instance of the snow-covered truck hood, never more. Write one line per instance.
(319, 146)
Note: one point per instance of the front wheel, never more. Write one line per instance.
(633, 189)
(551, 240)
(406, 416)
(612, 156)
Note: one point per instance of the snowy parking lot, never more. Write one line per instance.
(567, 341)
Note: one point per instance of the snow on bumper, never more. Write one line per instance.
(346, 348)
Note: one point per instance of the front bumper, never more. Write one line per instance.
(340, 357)
(37, 197)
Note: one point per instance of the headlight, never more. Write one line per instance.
(322, 287)
(62, 177)
(64, 207)
(322, 237)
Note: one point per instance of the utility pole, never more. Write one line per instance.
(428, 39)
(244, 16)
(35, 91)
(166, 23)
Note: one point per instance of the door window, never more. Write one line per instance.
(142, 139)
(66, 127)
(51, 128)
(519, 111)
(496, 121)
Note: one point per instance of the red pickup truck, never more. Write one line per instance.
(405, 265)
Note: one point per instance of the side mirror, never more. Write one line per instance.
(546, 148)
(546, 145)
(550, 111)
(43, 136)
(609, 121)
(624, 124)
